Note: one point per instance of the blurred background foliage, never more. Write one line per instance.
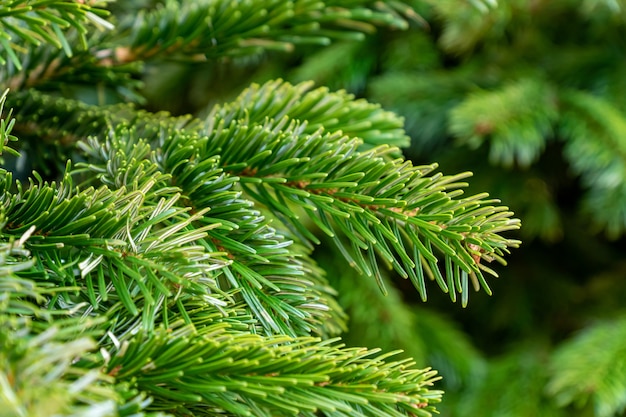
(530, 95)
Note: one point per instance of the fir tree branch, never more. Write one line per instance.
(215, 370)
(210, 29)
(38, 22)
(315, 109)
(197, 31)
(594, 130)
(516, 120)
(327, 177)
(466, 23)
(6, 126)
(380, 203)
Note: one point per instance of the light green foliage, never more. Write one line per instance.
(281, 103)
(153, 265)
(373, 204)
(186, 370)
(34, 23)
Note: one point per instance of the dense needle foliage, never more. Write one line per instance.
(162, 265)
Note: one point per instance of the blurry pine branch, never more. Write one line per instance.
(515, 79)
(154, 265)
(590, 370)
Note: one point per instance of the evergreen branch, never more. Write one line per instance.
(314, 109)
(48, 68)
(328, 178)
(515, 120)
(383, 205)
(467, 23)
(265, 275)
(216, 370)
(211, 29)
(39, 22)
(6, 126)
(377, 214)
(590, 369)
(196, 31)
(595, 148)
